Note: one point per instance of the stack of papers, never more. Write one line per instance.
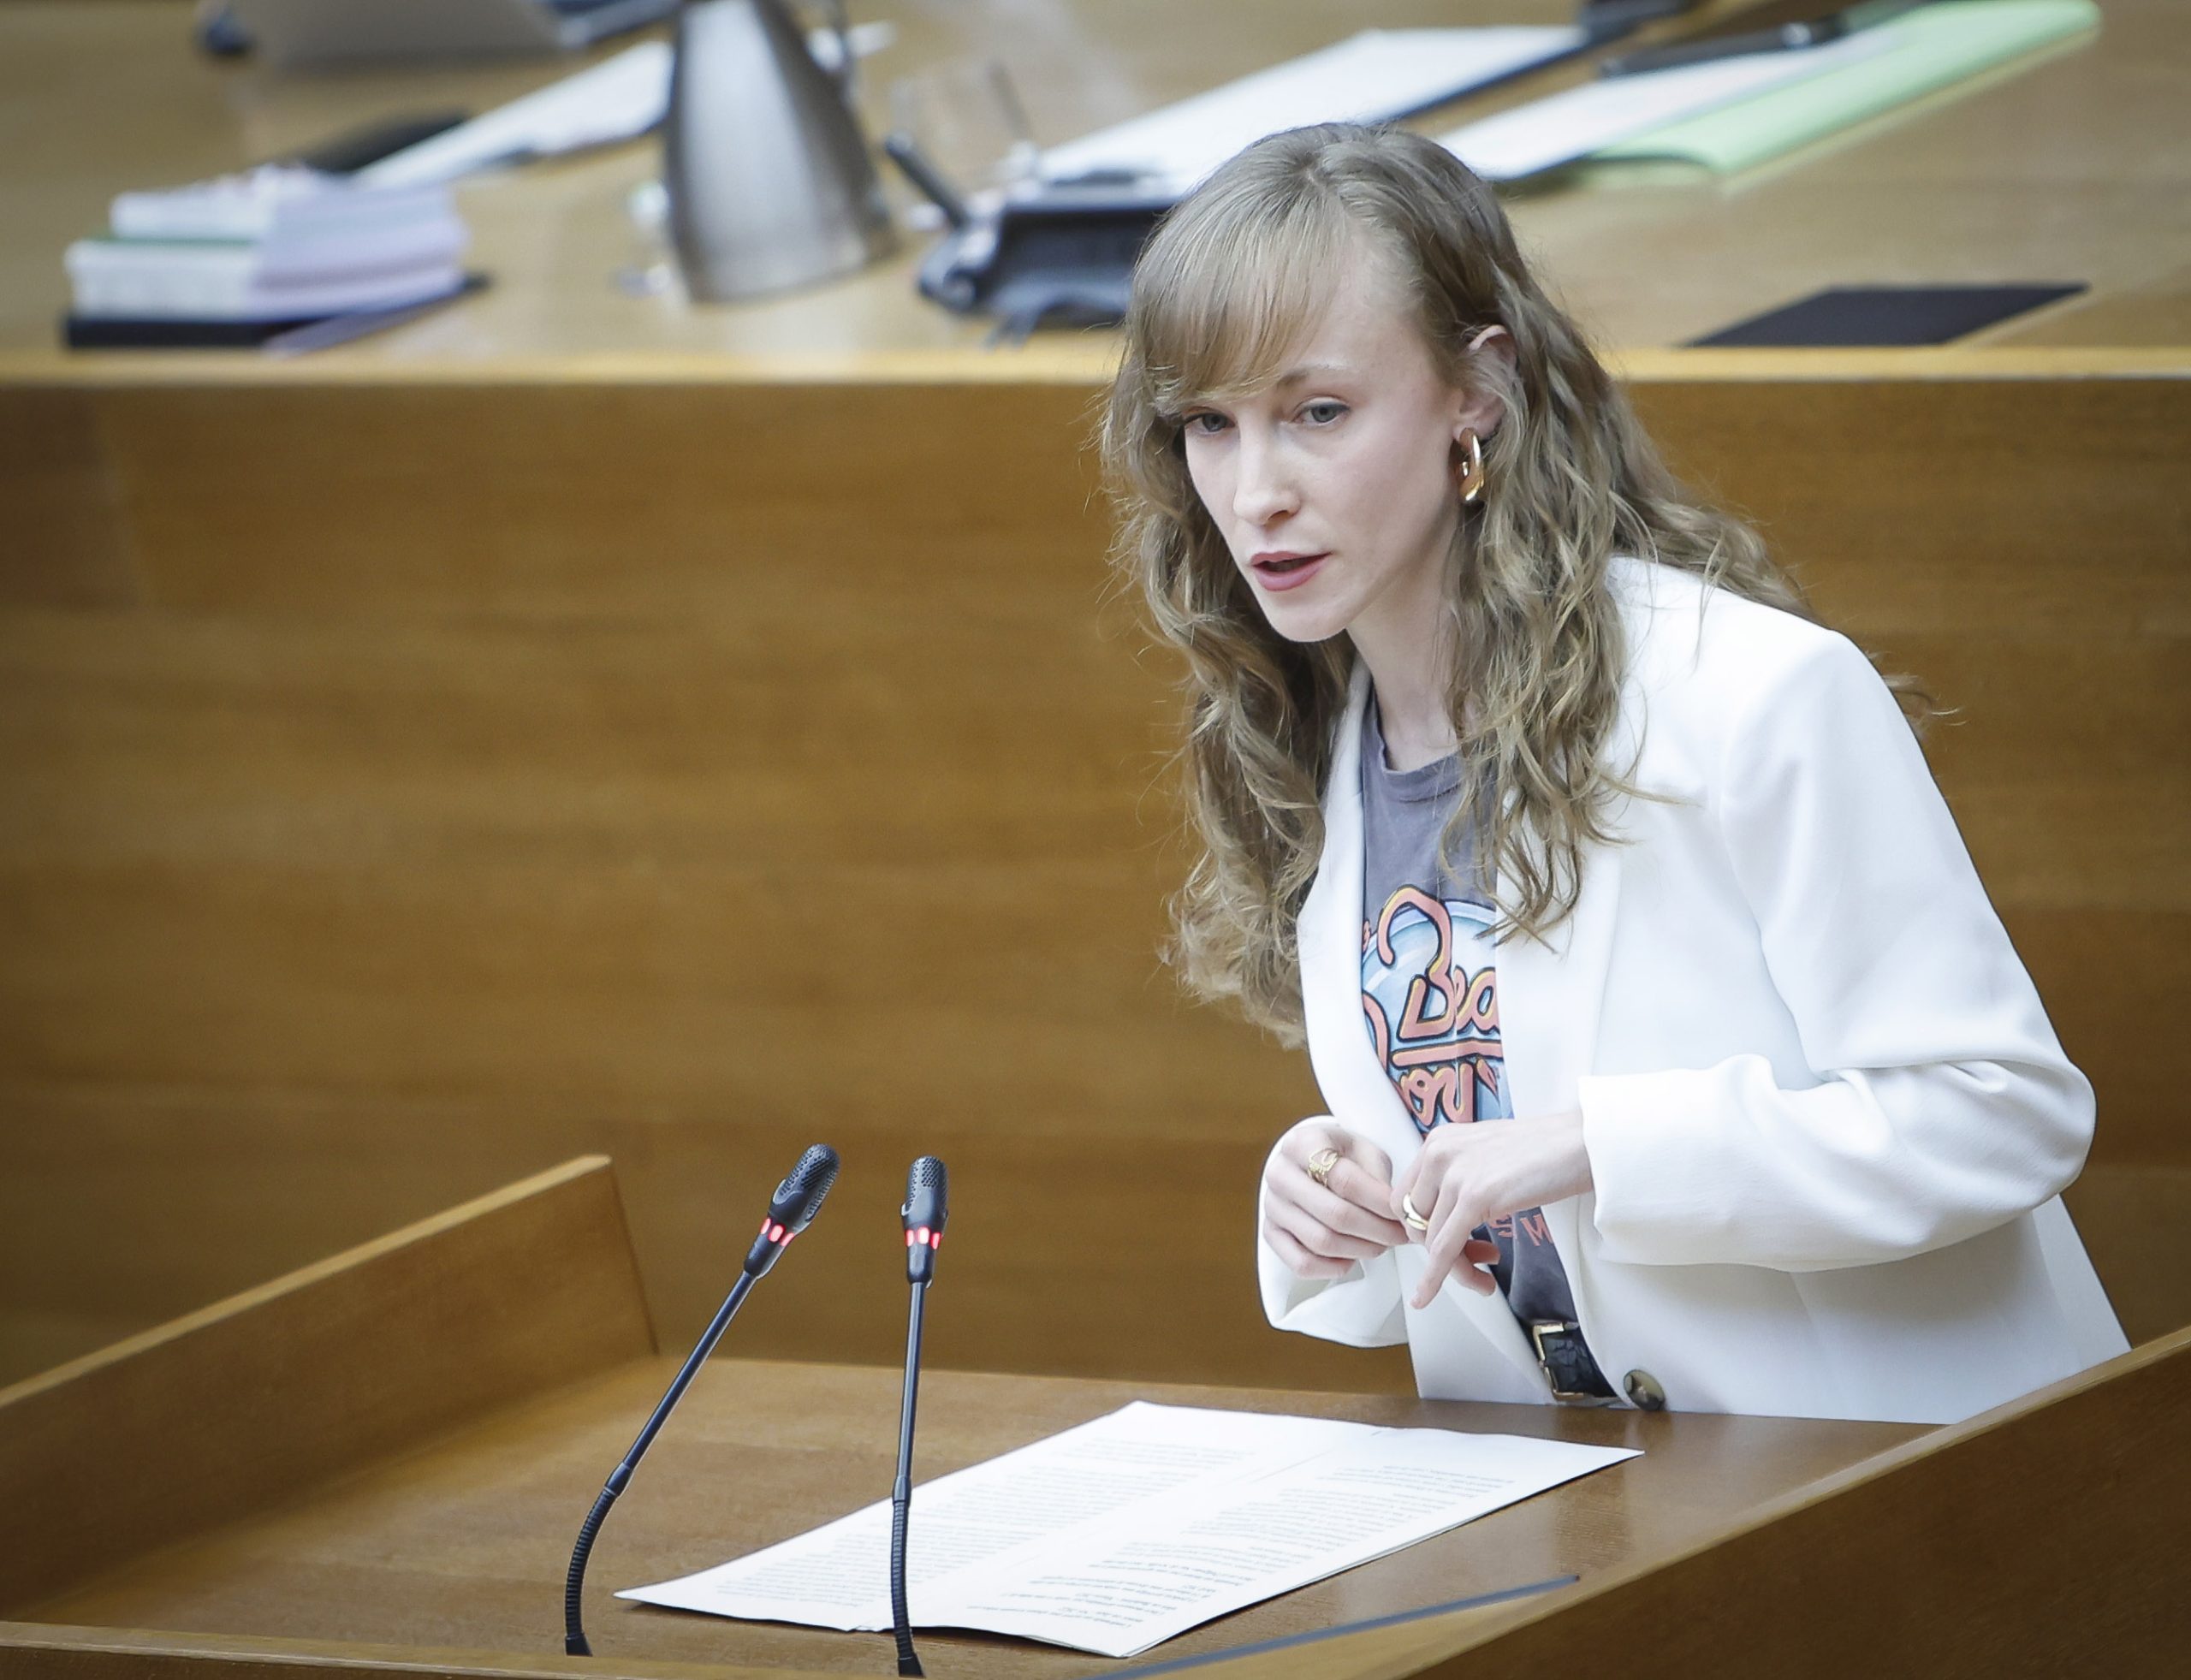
(1934, 47)
(1376, 76)
(1730, 114)
(617, 99)
(1126, 1531)
(275, 247)
(1598, 114)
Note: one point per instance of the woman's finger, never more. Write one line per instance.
(1420, 1193)
(1447, 1246)
(1319, 1238)
(1403, 1185)
(1349, 1214)
(1305, 1141)
(1355, 1182)
(1439, 1199)
(1348, 1181)
(1299, 1262)
(1363, 1172)
(1367, 1156)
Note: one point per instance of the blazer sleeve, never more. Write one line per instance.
(1943, 1105)
(1362, 1309)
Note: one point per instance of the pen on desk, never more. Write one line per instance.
(1770, 28)
(1178, 1664)
(908, 156)
(1602, 20)
(325, 335)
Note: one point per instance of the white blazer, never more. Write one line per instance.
(1826, 1119)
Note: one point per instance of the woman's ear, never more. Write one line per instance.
(1491, 364)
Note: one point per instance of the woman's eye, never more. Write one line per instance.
(1322, 414)
(1207, 422)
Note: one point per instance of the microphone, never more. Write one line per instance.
(793, 1207)
(790, 1210)
(927, 1205)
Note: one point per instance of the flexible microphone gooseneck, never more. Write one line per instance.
(791, 1209)
(926, 1209)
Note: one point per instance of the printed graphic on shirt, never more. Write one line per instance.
(1430, 994)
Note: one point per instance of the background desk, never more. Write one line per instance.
(582, 723)
(2070, 166)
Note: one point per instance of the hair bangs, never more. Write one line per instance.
(1221, 298)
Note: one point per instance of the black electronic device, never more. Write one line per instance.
(1044, 254)
(1887, 315)
(1058, 256)
(791, 1209)
(1777, 25)
(927, 1205)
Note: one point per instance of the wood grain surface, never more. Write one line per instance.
(412, 786)
(2066, 165)
(462, 1545)
(2038, 1538)
(215, 1416)
(582, 723)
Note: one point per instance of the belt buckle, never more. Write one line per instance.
(1539, 1329)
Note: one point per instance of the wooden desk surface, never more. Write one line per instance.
(464, 1544)
(2070, 166)
(376, 1464)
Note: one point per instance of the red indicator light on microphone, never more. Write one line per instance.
(776, 1233)
(910, 1239)
(935, 1239)
(921, 1235)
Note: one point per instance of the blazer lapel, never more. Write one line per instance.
(1330, 932)
(1550, 996)
(1361, 1095)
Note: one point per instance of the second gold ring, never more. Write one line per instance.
(1412, 1215)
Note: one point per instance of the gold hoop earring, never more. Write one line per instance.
(1469, 480)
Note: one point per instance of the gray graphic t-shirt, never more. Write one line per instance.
(1430, 990)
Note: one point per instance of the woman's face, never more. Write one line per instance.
(1334, 487)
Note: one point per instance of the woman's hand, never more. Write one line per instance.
(1468, 1175)
(1319, 1231)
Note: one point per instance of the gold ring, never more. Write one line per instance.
(1320, 1164)
(1411, 1216)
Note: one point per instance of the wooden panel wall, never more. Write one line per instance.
(405, 786)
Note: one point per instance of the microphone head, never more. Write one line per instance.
(927, 1206)
(798, 1198)
(927, 1195)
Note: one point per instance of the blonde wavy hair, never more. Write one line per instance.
(1226, 288)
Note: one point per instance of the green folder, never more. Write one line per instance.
(1932, 47)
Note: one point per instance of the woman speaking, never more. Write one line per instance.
(1674, 1054)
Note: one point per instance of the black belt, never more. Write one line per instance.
(1568, 1364)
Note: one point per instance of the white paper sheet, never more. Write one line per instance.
(1123, 1532)
(1565, 127)
(619, 99)
(1371, 77)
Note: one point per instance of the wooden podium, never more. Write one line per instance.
(375, 1466)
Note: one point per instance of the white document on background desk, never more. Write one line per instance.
(1120, 1534)
(1372, 77)
(1563, 127)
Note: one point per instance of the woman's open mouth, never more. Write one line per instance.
(1280, 570)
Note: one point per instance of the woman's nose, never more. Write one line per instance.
(1263, 489)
